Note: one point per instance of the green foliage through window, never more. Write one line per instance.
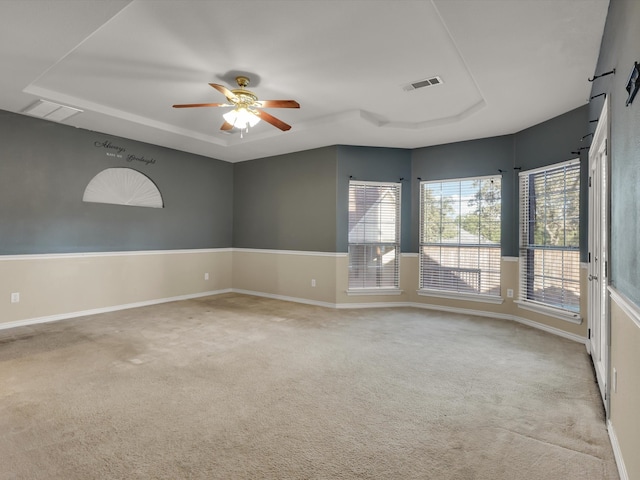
(550, 236)
(460, 224)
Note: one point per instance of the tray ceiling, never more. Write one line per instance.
(504, 66)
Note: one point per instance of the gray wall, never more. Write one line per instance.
(373, 165)
(543, 144)
(620, 48)
(470, 159)
(552, 142)
(296, 201)
(286, 202)
(45, 167)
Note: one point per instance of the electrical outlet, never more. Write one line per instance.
(509, 292)
(313, 282)
(206, 276)
(15, 297)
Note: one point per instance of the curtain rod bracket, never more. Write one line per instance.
(587, 135)
(610, 72)
(579, 150)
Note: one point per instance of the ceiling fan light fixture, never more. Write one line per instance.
(241, 118)
(248, 110)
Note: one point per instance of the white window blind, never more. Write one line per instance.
(460, 223)
(374, 235)
(549, 236)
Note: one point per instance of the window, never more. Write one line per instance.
(460, 236)
(549, 236)
(374, 235)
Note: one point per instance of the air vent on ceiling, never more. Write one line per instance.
(427, 82)
(50, 110)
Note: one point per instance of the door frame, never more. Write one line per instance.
(599, 323)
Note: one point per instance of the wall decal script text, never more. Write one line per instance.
(118, 152)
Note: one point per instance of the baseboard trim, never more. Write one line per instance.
(617, 453)
(344, 306)
(94, 311)
(464, 311)
(286, 298)
(440, 308)
(550, 329)
(505, 316)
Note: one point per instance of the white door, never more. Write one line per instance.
(598, 308)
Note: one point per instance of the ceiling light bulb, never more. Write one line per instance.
(241, 118)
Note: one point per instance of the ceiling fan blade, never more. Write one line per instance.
(226, 126)
(272, 120)
(225, 91)
(278, 104)
(191, 105)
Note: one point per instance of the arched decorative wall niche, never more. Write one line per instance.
(123, 186)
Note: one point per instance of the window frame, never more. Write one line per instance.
(373, 290)
(451, 293)
(525, 247)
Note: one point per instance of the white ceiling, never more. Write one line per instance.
(506, 65)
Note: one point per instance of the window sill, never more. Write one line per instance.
(374, 291)
(550, 311)
(461, 296)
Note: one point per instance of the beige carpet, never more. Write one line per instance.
(239, 387)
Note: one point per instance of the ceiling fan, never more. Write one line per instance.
(247, 111)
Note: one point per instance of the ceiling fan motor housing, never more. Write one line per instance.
(246, 104)
(245, 98)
